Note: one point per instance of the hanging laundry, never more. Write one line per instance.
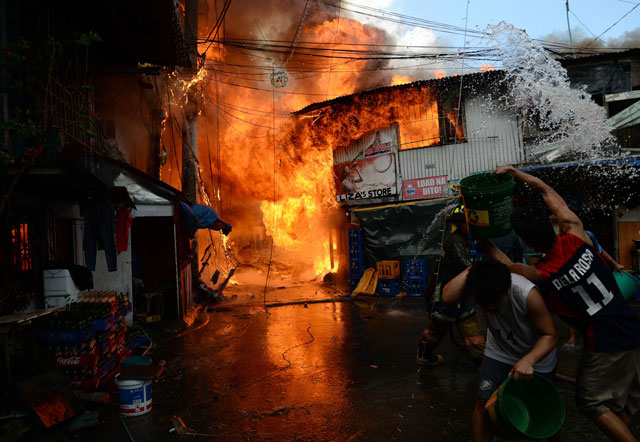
(124, 220)
(99, 223)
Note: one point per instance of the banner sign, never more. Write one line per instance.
(382, 142)
(421, 188)
(371, 177)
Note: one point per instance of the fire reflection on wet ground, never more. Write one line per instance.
(333, 371)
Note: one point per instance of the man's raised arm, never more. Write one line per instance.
(567, 220)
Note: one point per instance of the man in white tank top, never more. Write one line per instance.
(521, 337)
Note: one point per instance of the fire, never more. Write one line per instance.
(486, 67)
(401, 79)
(322, 264)
(267, 169)
(284, 218)
(438, 73)
(452, 116)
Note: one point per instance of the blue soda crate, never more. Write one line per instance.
(355, 236)
(415, 288)
(356, 251)
(107, 323)
(65, 336)
(356, 268)
(389, 287)
(353, 283)
(415, 270)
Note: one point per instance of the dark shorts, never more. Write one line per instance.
(608, 381)
(493, 373)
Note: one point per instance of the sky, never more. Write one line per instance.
(541, 19)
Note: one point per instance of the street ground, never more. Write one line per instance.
(335, 369)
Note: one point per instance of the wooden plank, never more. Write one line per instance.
(626, 117)
(627, 232)
(631, 95)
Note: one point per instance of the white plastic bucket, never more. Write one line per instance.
(134, 397)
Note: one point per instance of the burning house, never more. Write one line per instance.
(399, 150)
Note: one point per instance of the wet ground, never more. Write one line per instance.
(342, 370)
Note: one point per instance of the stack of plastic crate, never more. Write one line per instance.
(415, 276)
(389, 278)
(356, 257)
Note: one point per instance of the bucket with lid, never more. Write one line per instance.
(134, 396)
(488, 200)
(531, 409)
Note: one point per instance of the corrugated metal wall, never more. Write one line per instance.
(494, 138)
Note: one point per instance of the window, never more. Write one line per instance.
(22, 259)
(433, 122)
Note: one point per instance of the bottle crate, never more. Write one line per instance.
(388, 269)
(356, 251)
(356, 268)
(389, 287)
(355, 236)
(415, 270)
(415, 288)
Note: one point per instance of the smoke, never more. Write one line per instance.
(582, 38)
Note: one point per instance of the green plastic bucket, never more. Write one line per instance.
(135, 360)
(530, 409)
(627, 283)
(488, 200)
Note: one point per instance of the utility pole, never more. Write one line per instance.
(190, 127)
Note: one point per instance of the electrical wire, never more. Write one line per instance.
(216, 26)
(237, 118)
(296, 34)
(617, 21)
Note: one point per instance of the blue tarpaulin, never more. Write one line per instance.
(200, 216)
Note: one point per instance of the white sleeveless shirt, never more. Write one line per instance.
(510, 335)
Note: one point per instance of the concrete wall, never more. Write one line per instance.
(119, 281)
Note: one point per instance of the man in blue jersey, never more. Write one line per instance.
(583, 292)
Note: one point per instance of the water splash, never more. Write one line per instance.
(434, 229)
(571, 124)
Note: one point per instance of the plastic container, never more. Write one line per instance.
(627, 283)
(356, 251)
(415, 288)
(415, 270)
(65, 336)
(488, 200)
(526, 409)
(388, 287)
(356, 268)
(134, 396)
(388, 269)
(136, 360)
(59, 282)
(355, 236)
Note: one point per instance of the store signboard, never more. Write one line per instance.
(421, 188)
(371, 177)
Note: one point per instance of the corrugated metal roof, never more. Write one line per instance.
(567, 58)
(468, 79)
